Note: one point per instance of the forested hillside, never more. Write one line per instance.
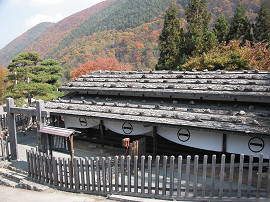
(121, 29)
(50, 40)
(20, 43)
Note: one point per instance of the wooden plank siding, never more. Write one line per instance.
(173, 178)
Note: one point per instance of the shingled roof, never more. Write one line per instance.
(197, 100)
(247, 86)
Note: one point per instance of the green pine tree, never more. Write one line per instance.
(222, 28)
(30, 75)
(261, 28)
(170, 41)
(240, 26)
(21, 65)
(200, 38)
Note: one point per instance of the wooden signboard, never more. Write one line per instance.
(59, 139)
(60, 143)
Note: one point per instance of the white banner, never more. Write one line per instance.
(126, 128)
(248, 145)
(80, 122)
(192, 138)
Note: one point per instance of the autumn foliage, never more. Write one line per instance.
(233, 57)
(3, 84)
(109, 64)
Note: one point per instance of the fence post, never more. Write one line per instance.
(240, 176)
(87, 173)
(129, 173)
(93, 173)
(259, 182)
(231, 175)
(103, 164)
(164, 180)
(135, 174)
(205, 158)
(28, 162)
(3, 149)
(40, 123)
(149, 175)
(76, 175)
(195, 178)
(82, 174)
(54, 170)
(171, 175)
(110, 173)
(179, 173)
(60, 172)
(12, 129)
(98, 174)
(268, 182)
(116, 159)
(250, 170)
(157, 176)
(142, 175)
(122, 165)
(187, 176)
(222, 175)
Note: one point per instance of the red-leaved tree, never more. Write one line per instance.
(109, 64)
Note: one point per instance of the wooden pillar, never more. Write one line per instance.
(102, 132)
(12, 129)
(154, 141)
(224, 143)
(40, 124)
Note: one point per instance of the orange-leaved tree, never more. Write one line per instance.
(109, 64)
(3, 83)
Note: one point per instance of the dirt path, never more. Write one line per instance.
(9, 194)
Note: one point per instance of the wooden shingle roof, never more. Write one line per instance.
(231, 102)
(245, 86)
(207, 115)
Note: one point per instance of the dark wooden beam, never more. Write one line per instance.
(12, 129)
(102, 132)
(29, 111)
(154, 141)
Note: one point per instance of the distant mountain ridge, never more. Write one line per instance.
(122, 29)
(20, 43)
(48, 37)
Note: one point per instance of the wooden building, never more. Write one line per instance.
(214, 111)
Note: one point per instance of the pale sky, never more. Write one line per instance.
(17, 16)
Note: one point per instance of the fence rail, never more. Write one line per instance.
(163, 178)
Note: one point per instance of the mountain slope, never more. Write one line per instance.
(20, 43)
(49, 40)
(122, 29)
(120, 15)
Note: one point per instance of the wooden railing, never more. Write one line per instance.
(163, 177)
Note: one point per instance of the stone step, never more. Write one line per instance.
(11, 175)
(19, 180)
(7, 182)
